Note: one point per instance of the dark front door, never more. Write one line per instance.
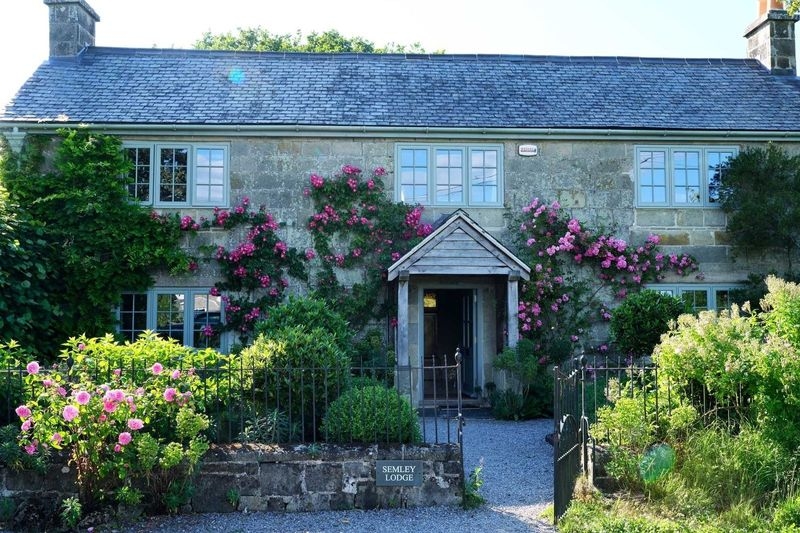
(449, 325)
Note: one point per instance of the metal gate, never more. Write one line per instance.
(570, 436)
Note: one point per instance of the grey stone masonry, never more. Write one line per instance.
(770, 39)
(71, 26)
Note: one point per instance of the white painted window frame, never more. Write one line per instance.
(678, 289)
(191, 180)
(669, 151)
(466, 151)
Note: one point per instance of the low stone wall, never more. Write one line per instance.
(324, 477)
(257, 477)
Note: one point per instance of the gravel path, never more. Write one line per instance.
(518, 485)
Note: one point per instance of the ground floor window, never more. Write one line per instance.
(700, 297)
(193, 317)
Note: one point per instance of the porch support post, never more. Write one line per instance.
(513, 312)
(404, 372)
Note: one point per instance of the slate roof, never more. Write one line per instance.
(154, 86)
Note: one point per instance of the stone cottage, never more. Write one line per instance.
(632, 143)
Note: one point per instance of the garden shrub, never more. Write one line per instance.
(297, 370)
(310, 313)
(639, 321)
(787, 514)
(272, 428)
(128, 441)
(371, 414)
(532, 393)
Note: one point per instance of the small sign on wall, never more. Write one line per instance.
(398, 473)
(528, 150)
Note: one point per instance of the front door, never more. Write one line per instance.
(449, 325)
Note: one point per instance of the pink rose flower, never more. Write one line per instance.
(157, 368)
(61, 391)
(83, 397)
(30, 449)
(117, 448)
(135, 424)
(109, 406)
(26, 425)
(47, 382)
(125, 438)
(176, 374)
(33, 367)
(57, 438)
(70, 412)
(169, 394)
(23, 411)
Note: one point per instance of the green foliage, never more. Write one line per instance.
(81, 241)
(532, 393)
(301, 370)
(13, 457)
(472, 497)
(639, 321)
(371, 414)
(311, 313)
(137, 431)
(273, 427)
(356, 228)
(71, 511)
(759, 219)
(600, 517)
(787, 514)
(331, 41)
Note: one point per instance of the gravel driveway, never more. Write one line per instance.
(518, 485)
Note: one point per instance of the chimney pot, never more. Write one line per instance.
(71, 26)
(770, 39)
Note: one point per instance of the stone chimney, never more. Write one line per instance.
(71, 26)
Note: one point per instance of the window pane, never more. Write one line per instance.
(209, 171)
(716, 166)
(414, 175)
(133, 315)
(723, 298)
(686, 177)
(449, 176)
(484, 186)
(207, 321)
(170, 315)
(652, 177)
(697, 299)
(139, 176)
(174, 164)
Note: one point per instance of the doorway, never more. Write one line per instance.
(449, 323)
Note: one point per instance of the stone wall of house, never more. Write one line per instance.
(594, 180)
(274, 478)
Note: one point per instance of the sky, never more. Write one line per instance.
(647, 28)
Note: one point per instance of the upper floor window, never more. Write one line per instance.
(193, 317)
(178, 175)
(680, 176)
(449, 174)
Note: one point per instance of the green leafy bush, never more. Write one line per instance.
(310, 313)
(531, 395)
(639, 321)
(371, 414)
(273, 427)
(297, 370)
(787, 514)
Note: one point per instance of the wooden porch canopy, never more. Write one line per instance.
(458, 247)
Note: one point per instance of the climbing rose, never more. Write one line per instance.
(135, 424)
(157, 368)
(169, 394)
(33, 367)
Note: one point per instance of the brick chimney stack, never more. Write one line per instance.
(770, 39)
(71, 27)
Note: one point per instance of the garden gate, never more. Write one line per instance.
(571, 433)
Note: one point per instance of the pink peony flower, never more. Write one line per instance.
(117, 448)
(70, 413)
(109, 406)
(61, 391)
(81, 346)
(176, 374)
(30, 449)
(47, 382)
(23, 411)
(26, 425)
(125, 438)
(169, 394)
(157, 368)
(83, 397)
(135, 424)
(57, 438)
(33, 367)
